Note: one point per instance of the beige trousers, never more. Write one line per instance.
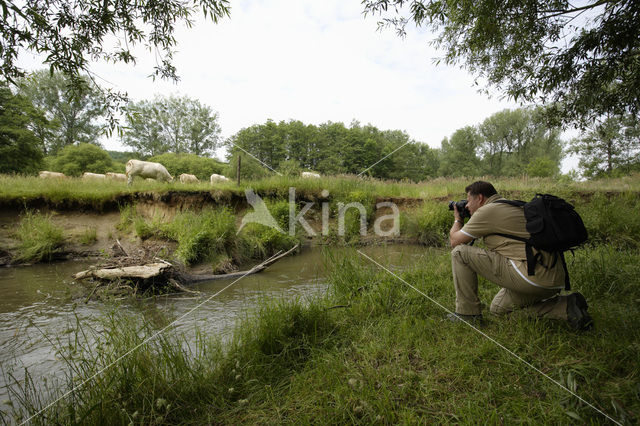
(469, 261)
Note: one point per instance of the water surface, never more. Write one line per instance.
(40, 309)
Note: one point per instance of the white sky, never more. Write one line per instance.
(313, 61)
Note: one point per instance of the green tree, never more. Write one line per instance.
(459, 155)
(511, 139)
(585, 57)
(542, 167)
(76, 114)
(74, 160)
(416, 162)
(173, 123)
(19, 146)
(611, 143)
(265, 142)
(71, 33)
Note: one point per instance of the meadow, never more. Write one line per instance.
(23, 189)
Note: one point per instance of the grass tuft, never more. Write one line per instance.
(40, 239)
(89, 236)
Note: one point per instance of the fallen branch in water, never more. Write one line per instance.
(159, 274)
(189, 278)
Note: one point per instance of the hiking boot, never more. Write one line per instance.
(471, 319)
(577, 315)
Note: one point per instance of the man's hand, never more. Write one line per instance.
(455, 236)
(456, 214)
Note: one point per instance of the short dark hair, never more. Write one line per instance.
(481, 187)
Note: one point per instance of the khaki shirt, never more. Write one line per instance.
(494, 218)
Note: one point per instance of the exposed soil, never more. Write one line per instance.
(79, 219)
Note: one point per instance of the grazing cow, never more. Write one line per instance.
(89, 175)
(51, 175)
(218, 178)
(146, 170)
(310, 175)
(187, 178)
(117, 176)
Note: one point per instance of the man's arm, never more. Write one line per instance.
(456, 237)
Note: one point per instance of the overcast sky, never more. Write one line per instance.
(313, 61)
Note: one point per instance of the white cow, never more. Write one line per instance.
(51, 175)
(310, 175)
(218, 178)
(187, 178)
(117, 176)
(147, 170)
(89, 175)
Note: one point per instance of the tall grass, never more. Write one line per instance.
(211, 234)
(201, 235)
(429, 223)
(40, 239)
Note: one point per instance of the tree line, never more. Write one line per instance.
(43, 120)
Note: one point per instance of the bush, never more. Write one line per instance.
(250, 168)
(74, 160)
(39, 238)
(290, 168)
(201, 167)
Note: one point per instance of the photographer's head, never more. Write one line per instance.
(478, 193)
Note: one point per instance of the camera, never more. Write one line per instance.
(462, 208)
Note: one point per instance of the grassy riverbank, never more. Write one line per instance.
(372, 349)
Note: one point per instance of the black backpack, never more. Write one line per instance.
(555, 227)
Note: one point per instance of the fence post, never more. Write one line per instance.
(239, 167)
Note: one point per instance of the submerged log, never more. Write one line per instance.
(165, 272)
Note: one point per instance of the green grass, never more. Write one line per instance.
(372, 350)
(89, 236)
(211, 234)
(39, 238)
(19, 190)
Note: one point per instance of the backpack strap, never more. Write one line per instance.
(528, 248)
(514, 203)
(567, 282)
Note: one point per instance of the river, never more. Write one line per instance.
(40, 310)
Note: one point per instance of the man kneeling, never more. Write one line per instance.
(504, 263)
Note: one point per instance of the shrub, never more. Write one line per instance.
(201, 167)
(290, 168)
(250, 168)
(73, 160)
(39, 238)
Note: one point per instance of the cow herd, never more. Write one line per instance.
(149, 171)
